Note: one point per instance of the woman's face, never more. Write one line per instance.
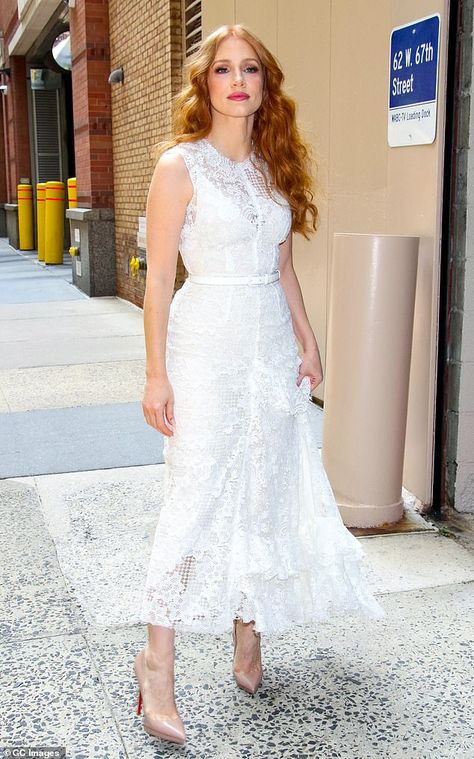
(235, 79)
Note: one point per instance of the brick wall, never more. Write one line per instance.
(8, 19)
(3, 174)
(145, 39)
(15, 153)
(92, 103)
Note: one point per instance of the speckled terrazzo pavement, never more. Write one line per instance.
(392, 689)
(399, 687)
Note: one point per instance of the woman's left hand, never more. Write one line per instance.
(310, 366)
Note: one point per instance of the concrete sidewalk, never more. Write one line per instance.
(79, 499)
(68, 363)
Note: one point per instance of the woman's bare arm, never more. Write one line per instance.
(291, 286)
(302, 328)
(168, 195)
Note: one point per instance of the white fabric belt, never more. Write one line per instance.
(257, 279)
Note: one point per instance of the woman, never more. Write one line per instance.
(249, 532)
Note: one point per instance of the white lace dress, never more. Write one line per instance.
(249, 526)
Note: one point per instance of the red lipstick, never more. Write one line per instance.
(239, 96)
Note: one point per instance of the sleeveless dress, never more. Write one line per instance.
(249, 526)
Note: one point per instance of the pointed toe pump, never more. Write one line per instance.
(248, 681)
(160, 726)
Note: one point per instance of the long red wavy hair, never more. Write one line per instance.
(276, 137)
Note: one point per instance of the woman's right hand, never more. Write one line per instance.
(158, 405)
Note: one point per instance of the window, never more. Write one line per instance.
(192, 26)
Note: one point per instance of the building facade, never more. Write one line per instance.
(151, 55)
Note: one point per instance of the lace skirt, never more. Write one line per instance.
(249, 526)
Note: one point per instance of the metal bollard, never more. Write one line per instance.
(72, 192)
(25, 217)
(370, 333)
(54, 223)
(40, 209)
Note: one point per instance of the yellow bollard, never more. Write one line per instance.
(40, 209)
(72, 192)
(54, 223)
(25, 217)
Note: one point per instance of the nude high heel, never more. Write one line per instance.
(162, 726)
(250, 681)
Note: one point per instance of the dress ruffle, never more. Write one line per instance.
(259, 559)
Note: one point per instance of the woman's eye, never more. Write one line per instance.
(251, 69)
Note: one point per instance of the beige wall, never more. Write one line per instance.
(335, 57)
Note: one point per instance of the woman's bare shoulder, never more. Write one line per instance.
(184, 150)
(172, 158)
(173, 169)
